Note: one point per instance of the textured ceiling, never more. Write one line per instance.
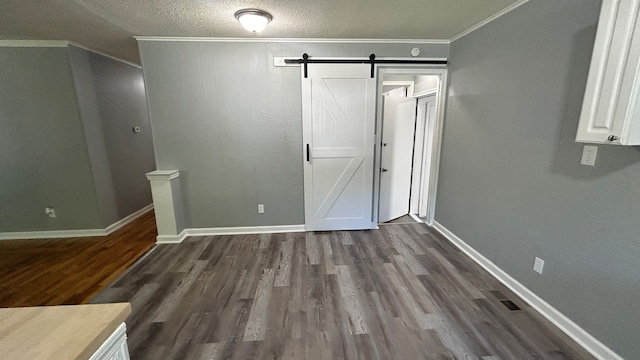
(108, 25)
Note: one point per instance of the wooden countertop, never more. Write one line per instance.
(58, 332)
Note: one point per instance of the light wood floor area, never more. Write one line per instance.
(400, 292)
(70, 271)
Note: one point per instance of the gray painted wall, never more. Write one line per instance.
(80, 61)
(231, 122)
(122, 103)
(43, 157)
(511, 184)
(111, 97)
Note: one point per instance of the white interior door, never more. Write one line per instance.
(338, 106)
(397, 152)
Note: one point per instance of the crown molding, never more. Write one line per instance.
(475, 27)
(104, 54)
(471, 29)
(292, 40)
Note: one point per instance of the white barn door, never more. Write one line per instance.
(338, 107)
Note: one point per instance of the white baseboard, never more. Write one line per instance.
(416, 218)
(59, 234)
(171, 239)
(578, 334)
(56, 234)
(118, 224)
(245, 230)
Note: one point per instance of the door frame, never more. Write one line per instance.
(426, 142)
(409, 84)
(391, 70)
(419, 144)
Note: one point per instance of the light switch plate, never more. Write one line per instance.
(538, 265)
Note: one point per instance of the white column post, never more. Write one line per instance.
(167, 203)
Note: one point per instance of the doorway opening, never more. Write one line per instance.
(410, 124)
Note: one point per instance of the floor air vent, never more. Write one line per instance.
(509, 304)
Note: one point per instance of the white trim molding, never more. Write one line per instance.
(410, 84)
(294, 40)
(59, 234)
(425, 93)
(105, 54)
(55, 234)
(163, 175)
(170, 239)
(245, 230)
(416, 218)
(118, 224)
(471, 29)
(60, 44)
(573, 330)
(475, 27)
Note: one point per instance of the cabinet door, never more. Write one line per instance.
(609, 99)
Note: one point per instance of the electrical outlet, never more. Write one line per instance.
(589, 153)
(50, 211)
(538, 265)
(260, 208)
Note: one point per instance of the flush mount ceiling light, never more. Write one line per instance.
(253, 20)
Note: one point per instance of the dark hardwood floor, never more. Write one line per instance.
(400, 292)
(70, 271)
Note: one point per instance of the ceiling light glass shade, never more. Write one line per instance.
(253, 20)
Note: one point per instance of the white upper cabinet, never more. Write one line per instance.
(611, 108)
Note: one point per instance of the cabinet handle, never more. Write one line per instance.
(308, 153)
(612, 138)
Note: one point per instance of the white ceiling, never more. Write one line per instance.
(108, 25)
